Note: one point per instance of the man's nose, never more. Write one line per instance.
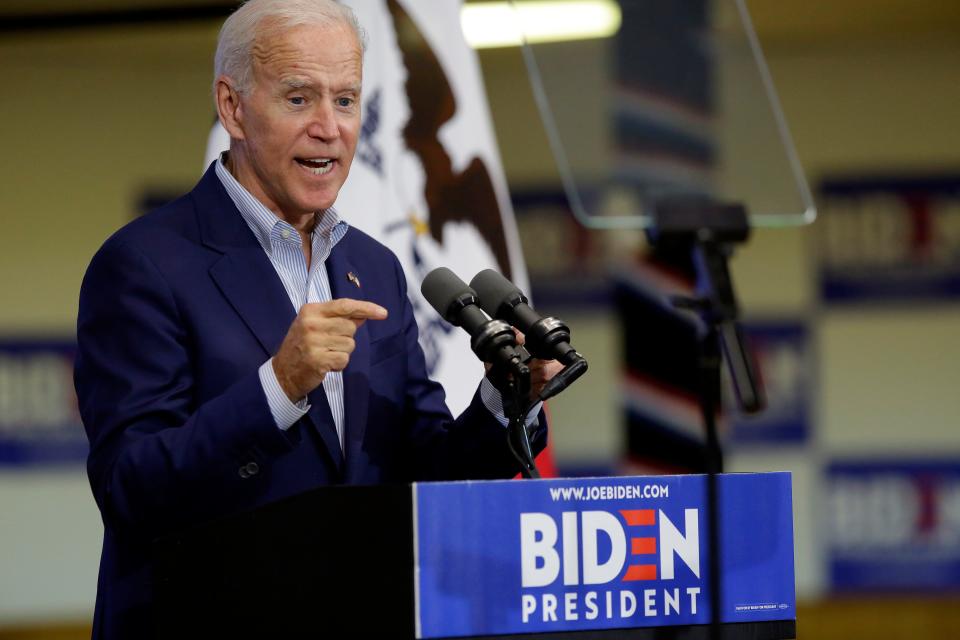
(323, 123)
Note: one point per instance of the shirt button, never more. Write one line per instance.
(285, 233)
(249, 470)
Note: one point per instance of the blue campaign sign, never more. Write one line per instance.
(39, 422)
(889, 238)
(601, 553)
(894, 525)
(783, 352)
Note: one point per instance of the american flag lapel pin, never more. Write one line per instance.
(352, 277)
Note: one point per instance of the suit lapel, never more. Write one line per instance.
(243, 274)
(249, 282)
(346, 282)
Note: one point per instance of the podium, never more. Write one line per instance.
(560, 559)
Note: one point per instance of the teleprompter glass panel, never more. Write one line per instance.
(648, 101)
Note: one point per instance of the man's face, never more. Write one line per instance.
(300, 119)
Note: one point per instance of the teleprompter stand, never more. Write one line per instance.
(710, 231)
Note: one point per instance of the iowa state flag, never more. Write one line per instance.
(427, 180)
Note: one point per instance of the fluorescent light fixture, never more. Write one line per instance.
(504, 24)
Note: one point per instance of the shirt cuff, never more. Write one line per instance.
(493, 401)
(284, 412)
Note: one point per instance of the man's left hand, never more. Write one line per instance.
(541, 371)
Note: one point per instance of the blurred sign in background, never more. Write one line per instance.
(890, 238)
(39, 422)
(894, 525)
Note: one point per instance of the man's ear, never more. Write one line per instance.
(228, 107)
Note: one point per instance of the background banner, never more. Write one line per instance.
(785, 358)
(39, 421)
(889, 238)
(894, 525)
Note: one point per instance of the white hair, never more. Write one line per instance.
(239, 32)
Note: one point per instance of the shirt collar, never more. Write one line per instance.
(262, 221)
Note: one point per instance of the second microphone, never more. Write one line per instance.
(547, 338)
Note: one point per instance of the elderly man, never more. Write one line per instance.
(243, 344)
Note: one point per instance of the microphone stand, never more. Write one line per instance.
(710, 231)
(514, 386)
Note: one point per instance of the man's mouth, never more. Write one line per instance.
(316, 166)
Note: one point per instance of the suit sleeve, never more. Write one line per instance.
(158, 459)
(471, 447)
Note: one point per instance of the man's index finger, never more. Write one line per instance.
(357, 309)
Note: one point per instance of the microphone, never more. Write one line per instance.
(547, 338)
(492, 340)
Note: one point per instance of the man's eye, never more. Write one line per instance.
(344, 102)
(297, 100)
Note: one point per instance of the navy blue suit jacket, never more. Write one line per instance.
(178, 310)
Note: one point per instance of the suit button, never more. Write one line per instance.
(249, 470)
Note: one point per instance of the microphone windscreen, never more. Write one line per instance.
(442, 288)
(493, 290)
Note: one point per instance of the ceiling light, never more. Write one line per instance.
(505, 24)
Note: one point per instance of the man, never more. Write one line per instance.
(242, 344)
